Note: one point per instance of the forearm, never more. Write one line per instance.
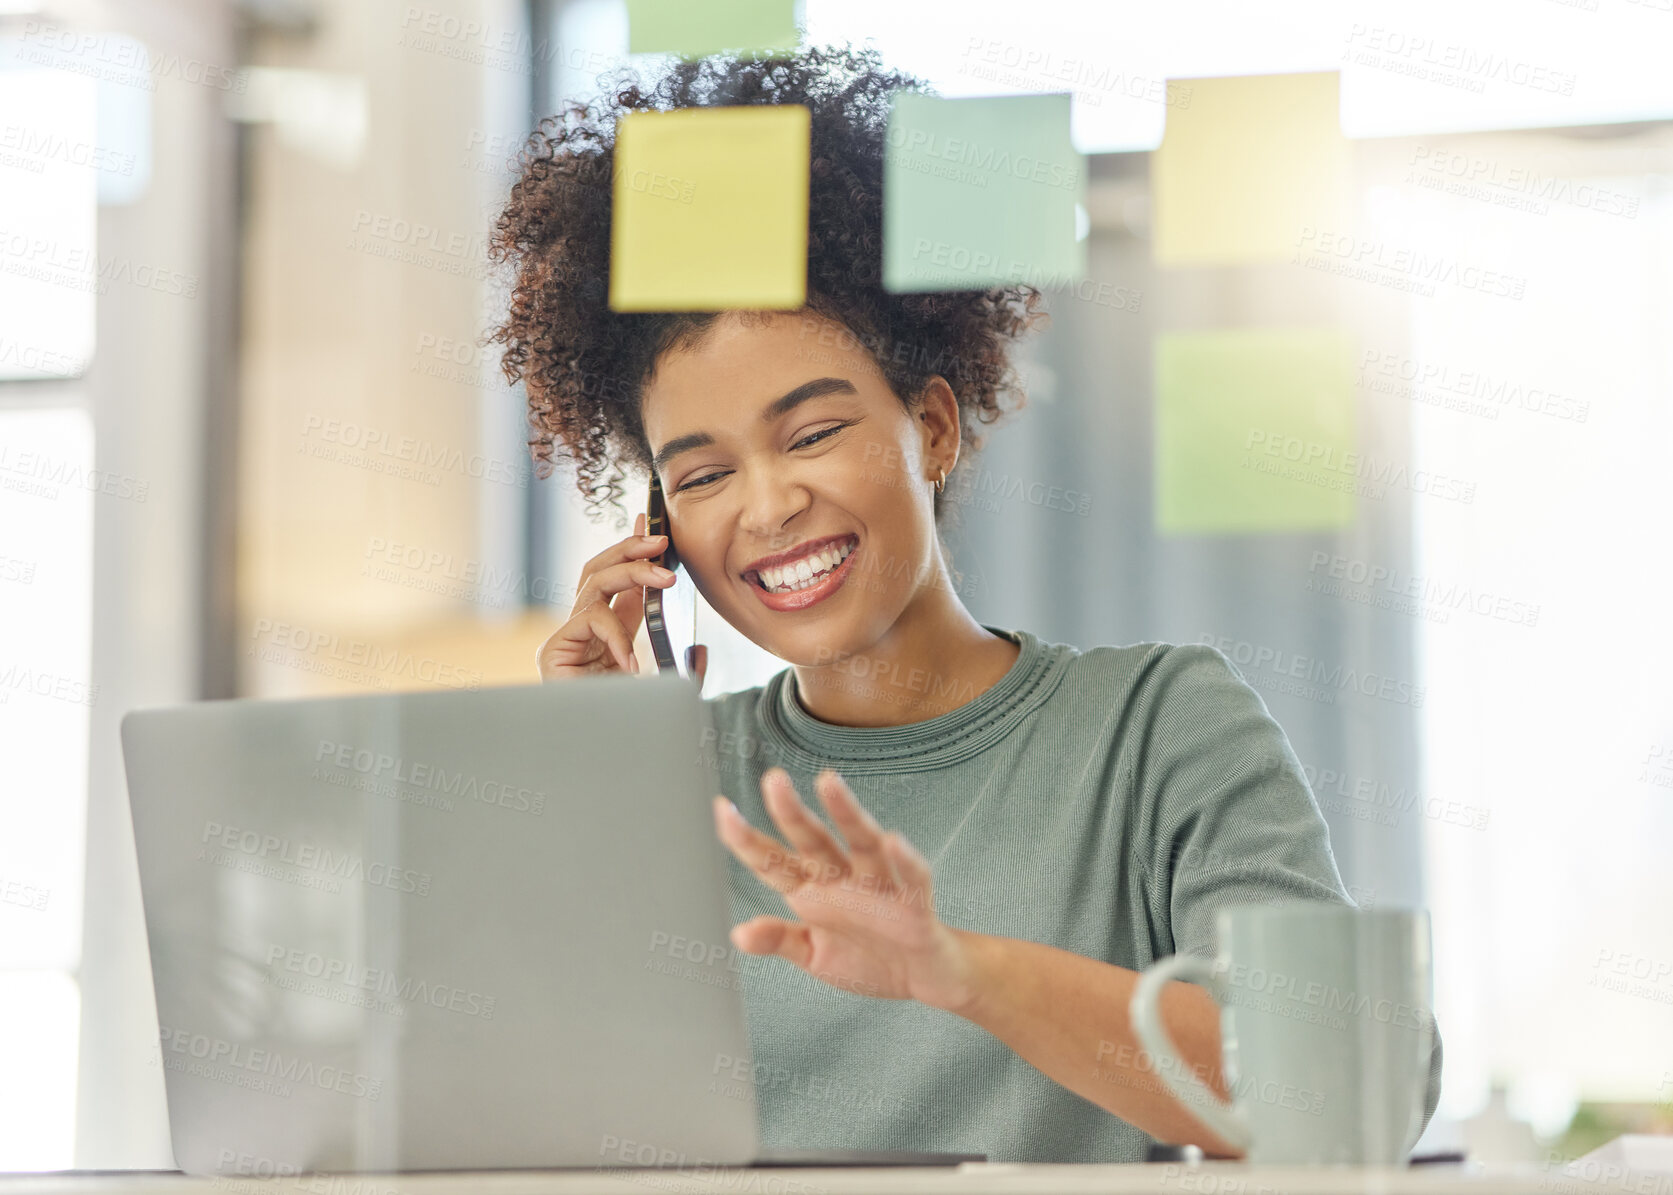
(1067, 1016)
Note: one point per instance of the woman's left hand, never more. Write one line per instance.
(867, 917)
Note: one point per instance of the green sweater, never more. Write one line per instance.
(1106, 802)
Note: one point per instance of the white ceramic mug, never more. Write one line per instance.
(1326, 1029)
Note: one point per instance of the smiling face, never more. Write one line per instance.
(784, 454)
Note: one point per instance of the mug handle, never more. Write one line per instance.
(1427, 1035)
(1224, 1119)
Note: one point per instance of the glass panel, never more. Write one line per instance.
(47, 482)
(1556, 576)
(40, 1017)
(49, 272)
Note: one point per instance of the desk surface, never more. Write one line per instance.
(1210, 1178)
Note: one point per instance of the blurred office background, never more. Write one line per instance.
(251, 445)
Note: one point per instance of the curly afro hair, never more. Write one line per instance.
(584, 366)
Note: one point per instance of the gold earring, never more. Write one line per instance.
(941, 480)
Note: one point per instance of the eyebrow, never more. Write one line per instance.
(776, 409)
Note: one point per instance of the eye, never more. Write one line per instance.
(697, 481)
(818, 436)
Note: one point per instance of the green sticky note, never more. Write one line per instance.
(1255, 431)
(710, 209)
(1245, 166)
(694, 28)
(980, 192)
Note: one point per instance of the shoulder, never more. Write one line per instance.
(1169, 677)
(1186, 722)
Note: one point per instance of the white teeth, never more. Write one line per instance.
(805, 572)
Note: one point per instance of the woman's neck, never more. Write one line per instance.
(934, 659)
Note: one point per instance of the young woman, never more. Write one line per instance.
(1022, 827)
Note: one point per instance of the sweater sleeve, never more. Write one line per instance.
(1228, 816)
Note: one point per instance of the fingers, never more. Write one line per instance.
(697, 663)
(570, 646)
(609, 609)
(866, 839)
(805, 832)
(628, 607)
(627, 565)
(629, 604)
(634, 547)
(605, 584)
(761, 853)
(774, 935)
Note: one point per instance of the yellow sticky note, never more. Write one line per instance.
(1246, 166)
(710, 209)
(1255, 431)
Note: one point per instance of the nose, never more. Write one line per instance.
(772, 498)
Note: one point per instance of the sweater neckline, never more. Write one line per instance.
(915, 746)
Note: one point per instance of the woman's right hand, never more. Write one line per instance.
(609, 606)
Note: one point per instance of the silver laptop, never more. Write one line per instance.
(442, 931)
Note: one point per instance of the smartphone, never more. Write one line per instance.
(667, 606)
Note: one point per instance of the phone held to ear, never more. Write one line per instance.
(656, 615)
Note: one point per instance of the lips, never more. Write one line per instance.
(815, 591)
(819, 554)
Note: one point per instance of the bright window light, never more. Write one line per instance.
(49, 275)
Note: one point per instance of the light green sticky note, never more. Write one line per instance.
(710, 209)
(980, 192)
(1246, 165)
(694, 28)
(1255, 431)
